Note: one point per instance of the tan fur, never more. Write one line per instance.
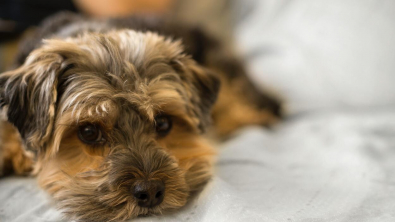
(120, 81)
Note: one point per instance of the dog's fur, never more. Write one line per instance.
(120, 75)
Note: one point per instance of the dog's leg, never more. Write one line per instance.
(13, 157)
(234, 110)
(240, 103)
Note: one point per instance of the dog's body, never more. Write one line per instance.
(114, 113)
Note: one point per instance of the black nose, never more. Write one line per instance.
(149, 193)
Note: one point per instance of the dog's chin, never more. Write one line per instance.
(105, 194)
(96, 188)
(93, 199)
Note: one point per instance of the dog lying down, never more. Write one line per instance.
(111, 115)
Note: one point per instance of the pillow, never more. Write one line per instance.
(319, 54)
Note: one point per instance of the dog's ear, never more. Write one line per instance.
(204, 85)
(28, 96)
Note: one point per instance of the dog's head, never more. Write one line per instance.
(116, 120)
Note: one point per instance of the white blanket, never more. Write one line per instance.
(336, 166)
(317, 165)
(320, 54)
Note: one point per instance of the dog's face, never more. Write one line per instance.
(116, 120)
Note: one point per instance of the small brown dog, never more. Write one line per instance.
(111, 114)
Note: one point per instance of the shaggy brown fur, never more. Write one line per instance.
(121, 81)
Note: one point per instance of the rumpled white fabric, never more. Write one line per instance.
(336, 166)
(320, 54)
(333, 159)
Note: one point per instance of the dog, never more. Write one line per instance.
(112, 115)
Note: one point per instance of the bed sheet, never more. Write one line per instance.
(332, 166)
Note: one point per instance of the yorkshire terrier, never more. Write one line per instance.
(111, 115)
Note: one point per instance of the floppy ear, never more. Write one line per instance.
(204, 86)
(28, 96)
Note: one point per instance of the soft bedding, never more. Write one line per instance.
(320, 54)
(332, 158)
(335, 166)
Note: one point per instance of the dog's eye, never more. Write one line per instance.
(163, 125)
(90, 134)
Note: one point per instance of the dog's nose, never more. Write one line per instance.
(149, 193)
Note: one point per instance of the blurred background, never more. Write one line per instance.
(18, 17)
(315, 54)
(333, 65)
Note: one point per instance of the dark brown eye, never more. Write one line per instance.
(90, 134)
(163, 125)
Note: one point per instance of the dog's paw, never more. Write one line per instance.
(15, 160)
(13, 157)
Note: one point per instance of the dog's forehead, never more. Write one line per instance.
(138, 48)
(125, 66)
